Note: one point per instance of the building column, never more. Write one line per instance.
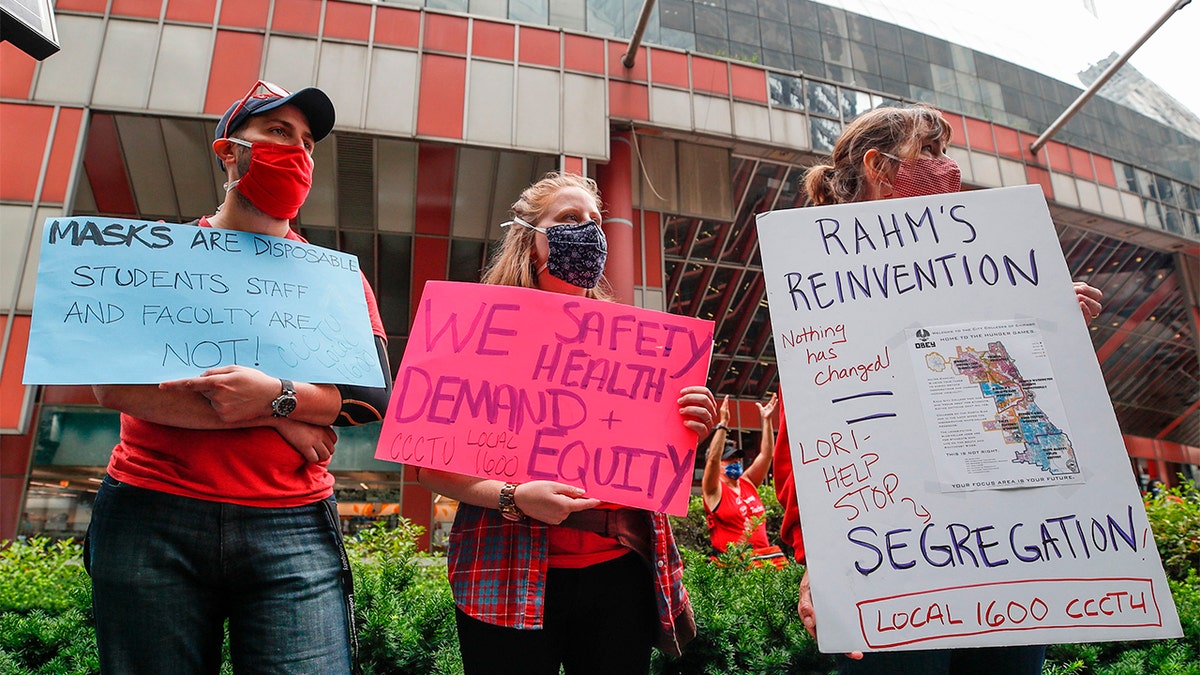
(16, 458)
(616, 190)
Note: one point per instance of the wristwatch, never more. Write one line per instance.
(285, 403)
(721, 426)
(508, 505)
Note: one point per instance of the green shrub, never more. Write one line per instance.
(405, 614)
(1175, 520)
(46, 622)
(404, 610)
(39, 574)
(746, 620)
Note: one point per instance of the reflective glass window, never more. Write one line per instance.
(675, 14)
(822, 99)
(786, 91)
(711, 21)
(466, 259)
(361, 244)
(529, 11)
(743, 28)
(394, 282)
(824, 133)
(605, 17)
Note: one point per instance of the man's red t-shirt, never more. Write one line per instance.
(250, 467)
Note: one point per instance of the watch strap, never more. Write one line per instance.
(508, 504)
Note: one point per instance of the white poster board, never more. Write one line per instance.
(961, 476)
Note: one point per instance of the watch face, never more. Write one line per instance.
(284, 405)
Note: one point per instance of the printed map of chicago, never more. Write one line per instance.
(1018, 417)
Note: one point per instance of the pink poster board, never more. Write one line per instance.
(518, 384)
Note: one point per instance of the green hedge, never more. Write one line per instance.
(746, 617)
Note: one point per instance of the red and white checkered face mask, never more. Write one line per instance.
(922, 176)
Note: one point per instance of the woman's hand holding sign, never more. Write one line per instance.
(698, 409)
(551, 502)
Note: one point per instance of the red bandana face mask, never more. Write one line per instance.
(923, 176)
(278, 179)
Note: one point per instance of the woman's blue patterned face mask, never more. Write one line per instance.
(734, 470)
(577, 251)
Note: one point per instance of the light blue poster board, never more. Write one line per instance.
(135, 302)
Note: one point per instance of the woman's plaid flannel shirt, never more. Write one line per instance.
(498, 573)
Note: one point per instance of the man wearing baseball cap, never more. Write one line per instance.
(734, 511)
(218, 504)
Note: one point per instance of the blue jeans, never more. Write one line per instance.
(167, 571)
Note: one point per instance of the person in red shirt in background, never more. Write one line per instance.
(732, 507)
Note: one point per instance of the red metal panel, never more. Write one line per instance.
(236, 62)
(572, 165)
(436, 166)
(245, 13)
(540, 46)
(23, 136)
(1039, 176)
(104, 164)
(16, 72)
(583, 53)
(446, 33)
(669, 68)
(12, 392)
(652, 223)
(194, 11)
(749, 84)
(417, 507)
(149, 9)
(709, 75)
(958, 133)
(399, 27)
(1026, 140)
(1104, 170)
(979, 134)
(627, 100)
(18, 450)
(348, 21)
(1081, 163)
(93, 6)
(493, 40)
(1060, 159)
(297, 16)
(617, 69)
(62, 155)
(429, 263)
(443, 86)
(1008, 143)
